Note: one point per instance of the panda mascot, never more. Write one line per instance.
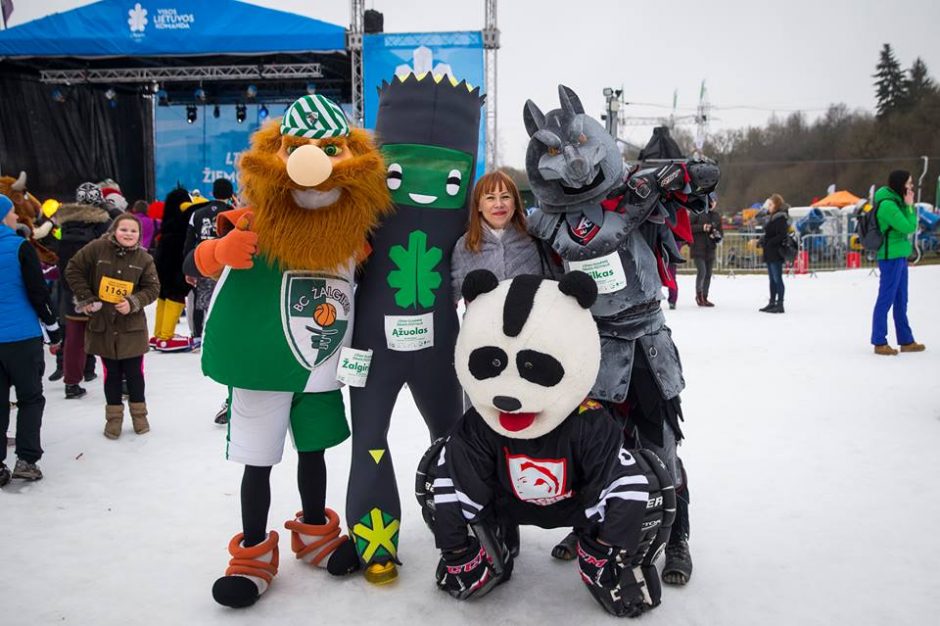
(531, 450)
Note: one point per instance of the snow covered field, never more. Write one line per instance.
(813, 469)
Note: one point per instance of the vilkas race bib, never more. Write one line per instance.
(607, 271)
(113, 290)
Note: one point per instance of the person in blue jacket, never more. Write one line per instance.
(25, 308)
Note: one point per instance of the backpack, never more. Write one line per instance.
(789, 248)
(868, 231)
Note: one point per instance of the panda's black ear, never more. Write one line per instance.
(478, 282)
(580, 286)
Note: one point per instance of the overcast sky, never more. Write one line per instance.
(756, 57)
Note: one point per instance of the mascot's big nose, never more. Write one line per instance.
(309, 166)
(506, 403)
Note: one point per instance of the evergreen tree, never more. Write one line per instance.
(890, 82)
(919, 83)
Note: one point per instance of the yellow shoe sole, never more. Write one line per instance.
(381, 573)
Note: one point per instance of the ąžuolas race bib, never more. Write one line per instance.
(408, 333)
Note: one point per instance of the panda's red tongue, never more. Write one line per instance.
(514, 422)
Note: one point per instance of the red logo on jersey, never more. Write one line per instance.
(539, 481)
(585, 231)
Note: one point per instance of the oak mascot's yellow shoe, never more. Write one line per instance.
(381, 573)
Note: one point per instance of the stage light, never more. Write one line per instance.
(57, 95)
(251, 91)
(110, 94)
(240, 113)
(200, 94)
(215, 112)
(311, 88)
(191, 114)
(262, 113)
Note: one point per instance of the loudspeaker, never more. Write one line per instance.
(373, 21)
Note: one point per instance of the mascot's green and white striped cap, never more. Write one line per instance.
(314, 117)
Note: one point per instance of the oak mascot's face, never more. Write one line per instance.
(430, 176)
(315, 200)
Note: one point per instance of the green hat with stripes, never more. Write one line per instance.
(314, 117)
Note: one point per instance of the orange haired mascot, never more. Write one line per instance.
(282, 310)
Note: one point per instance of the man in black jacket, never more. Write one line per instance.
(24, 297)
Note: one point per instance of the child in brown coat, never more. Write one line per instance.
(113, 279)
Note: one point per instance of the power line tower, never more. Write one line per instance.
(357, 11)
(702, 116)
(490, 46)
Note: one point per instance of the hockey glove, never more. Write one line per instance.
(465, 574)
(615, 583)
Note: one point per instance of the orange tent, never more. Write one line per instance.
(838, 199)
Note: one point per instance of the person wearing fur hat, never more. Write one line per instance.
(113, 279)
(80, 222)
(173, 285)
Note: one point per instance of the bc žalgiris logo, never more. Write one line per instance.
(315, 315)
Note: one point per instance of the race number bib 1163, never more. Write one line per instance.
(113, 290)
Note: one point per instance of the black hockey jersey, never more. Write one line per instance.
(577, 475)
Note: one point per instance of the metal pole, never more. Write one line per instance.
(490, 49)
(354, 43)
(922, 174)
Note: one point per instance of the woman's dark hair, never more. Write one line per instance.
(897, 180)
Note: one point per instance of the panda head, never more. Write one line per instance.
(528, 350)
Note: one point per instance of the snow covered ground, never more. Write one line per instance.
(813, 470)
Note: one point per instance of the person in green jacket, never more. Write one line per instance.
(897, 219)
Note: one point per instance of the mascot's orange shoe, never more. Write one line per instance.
(322, 545)
(249, 573)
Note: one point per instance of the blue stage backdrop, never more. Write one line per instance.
(194, 155)
(383, 54)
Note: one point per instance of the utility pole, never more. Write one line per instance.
(613, 106)
(702, 115)
(354, 44)
(490, 46)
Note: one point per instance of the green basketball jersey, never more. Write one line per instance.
(274, 330)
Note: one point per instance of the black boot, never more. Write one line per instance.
(778, 308)
(74, 391)
(56, 375)
(770, 307)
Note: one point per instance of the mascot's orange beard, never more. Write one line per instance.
(324, 238)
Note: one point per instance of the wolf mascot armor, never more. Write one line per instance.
(532, 450)
(428, 130)
(281, 312)
(615, 225)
